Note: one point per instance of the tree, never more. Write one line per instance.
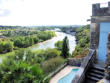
(36, 39)
(59, 45)
(16, 69)
(31, 41)
(65, 48)
(45, 35)
(6, 46)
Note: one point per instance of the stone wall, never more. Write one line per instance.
(98, 15)
(98, 11)
(75, 61)
(107, 66)
(85, 65)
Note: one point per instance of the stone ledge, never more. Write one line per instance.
(75, 61)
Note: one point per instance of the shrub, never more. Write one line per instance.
(47, 54)
(6, 46)
(45, 35)
(51, 53)
(52, 64)
(36, 39)
(16, 69)
(59, 45)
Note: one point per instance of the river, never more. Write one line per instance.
(51, 43)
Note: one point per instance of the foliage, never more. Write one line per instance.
(25, 66)
(23, 41)
(59, 45)
(45, 35)
(52, 64)
(25, 37)
(83, 53)
(83, 39)
(36, 39)
(17, 69)
(6, 46)
(65, 48)
(16, 33)
(43, 55)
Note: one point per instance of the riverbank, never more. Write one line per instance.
(35, 45)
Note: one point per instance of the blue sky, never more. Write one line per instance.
(46, 12)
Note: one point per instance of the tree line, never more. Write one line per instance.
(15, 33)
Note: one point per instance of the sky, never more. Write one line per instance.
(46, 12)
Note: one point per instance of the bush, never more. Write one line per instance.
(36, 39)
(59, 45)
(6, 46)
(23, 42)
(47, 54)
(16, 69)
(45, 35)
(26, 41)
(51, 53)
(52, 64)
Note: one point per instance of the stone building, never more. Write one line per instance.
(93, 68)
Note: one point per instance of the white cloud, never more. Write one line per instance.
(47, 12)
